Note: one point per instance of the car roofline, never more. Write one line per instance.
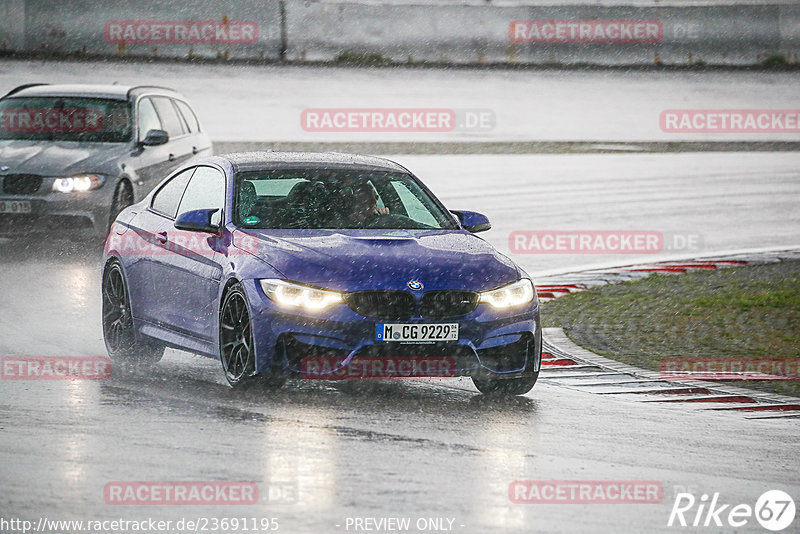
(22, 87)
(122, 92)
(158, 87)
(271, 160)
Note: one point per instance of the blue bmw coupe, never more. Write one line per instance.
(268, 261)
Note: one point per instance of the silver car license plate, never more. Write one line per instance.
(15, 206)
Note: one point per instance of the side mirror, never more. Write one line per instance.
(197, 221)
(155, 137)
(472, 221)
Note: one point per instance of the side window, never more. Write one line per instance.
(148, 119)
(184, 125)
(189, 116)
(413, 205)
(166, 200)
(205, 191)
(168, 115)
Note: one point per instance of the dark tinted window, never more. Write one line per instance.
(206, 190)
(335, 198)
(169, 117)
(189, 116)
(148, 119)
(65, 119)
(167, 198)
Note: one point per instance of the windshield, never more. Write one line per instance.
(325, 198)
(89, 120)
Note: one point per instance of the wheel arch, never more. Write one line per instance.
(111, 260)
(125, 180)
(226, 287)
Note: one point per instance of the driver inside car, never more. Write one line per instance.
(365, 204)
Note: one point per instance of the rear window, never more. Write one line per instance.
(59, 118)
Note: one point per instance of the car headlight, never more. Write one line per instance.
(78, 182)
(514, 294)
(293, 295)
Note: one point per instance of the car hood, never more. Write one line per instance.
(384, 259)
(58, 158)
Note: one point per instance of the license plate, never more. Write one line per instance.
(416, 332)
(15, 206)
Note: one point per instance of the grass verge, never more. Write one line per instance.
(749, 312)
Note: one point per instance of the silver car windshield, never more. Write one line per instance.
(65, 119)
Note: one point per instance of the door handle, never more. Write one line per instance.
(162, 237)
(172, 157)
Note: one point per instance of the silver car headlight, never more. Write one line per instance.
(515, 294)
(291, 295)
(78, 183)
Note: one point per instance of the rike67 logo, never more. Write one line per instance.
(774, 510)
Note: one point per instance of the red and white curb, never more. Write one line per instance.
(567, 364)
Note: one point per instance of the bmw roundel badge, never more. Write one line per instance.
(415, 285)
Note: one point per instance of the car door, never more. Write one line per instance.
(186, 274)
(180, 139)
(152, 163)
(201, 144)
(142, 246)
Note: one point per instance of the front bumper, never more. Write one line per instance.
(53, 212)
(491, 342)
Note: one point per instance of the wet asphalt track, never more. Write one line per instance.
(323, 452)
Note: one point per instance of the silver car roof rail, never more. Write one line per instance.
(22, 87)
(138, 87)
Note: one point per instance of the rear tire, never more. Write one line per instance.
(118, 332)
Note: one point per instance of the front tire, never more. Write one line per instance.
(118, 332)
(123, 197)
(519, 385)
(506, 386)
(236, 347)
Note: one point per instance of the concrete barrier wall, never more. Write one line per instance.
(457, 34)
